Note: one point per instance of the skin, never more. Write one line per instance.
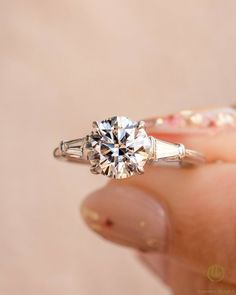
(199, 227)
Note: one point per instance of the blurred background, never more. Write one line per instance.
(63, 65)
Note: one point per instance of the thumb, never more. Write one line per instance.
(187, 214)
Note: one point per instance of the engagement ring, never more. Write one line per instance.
(119, 148)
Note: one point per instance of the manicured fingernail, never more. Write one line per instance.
(189, 121)
(127, 216)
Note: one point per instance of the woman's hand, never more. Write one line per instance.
(181, 221)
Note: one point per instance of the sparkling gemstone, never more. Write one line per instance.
(118, 147)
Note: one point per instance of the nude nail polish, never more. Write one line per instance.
(127, 216)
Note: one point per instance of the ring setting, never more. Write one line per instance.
(119, 147)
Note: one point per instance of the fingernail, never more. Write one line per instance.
(127, 216)
(190, 121)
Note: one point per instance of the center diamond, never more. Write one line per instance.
(118, 147)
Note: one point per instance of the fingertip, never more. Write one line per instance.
(128, 216)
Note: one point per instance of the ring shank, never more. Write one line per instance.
(192, 158)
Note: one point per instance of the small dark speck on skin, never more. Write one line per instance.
(108, 222)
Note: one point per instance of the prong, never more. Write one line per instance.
(63, 146)
(95, 124)
(95, 169)
(141, 124)
(57, 153)
(140, 170)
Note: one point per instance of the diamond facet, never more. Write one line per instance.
(118, 147)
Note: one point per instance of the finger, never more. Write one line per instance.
(187, 220)
(212, 132)
(184, 281)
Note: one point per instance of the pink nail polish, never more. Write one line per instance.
(127, 216)
(198, 122)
